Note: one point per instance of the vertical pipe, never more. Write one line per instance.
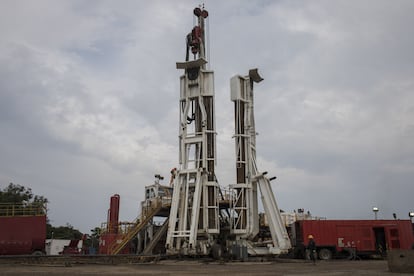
(114, 214)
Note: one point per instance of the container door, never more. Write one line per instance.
(394, 238)
(380, 242)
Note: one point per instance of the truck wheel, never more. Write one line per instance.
(37, 253)
(325, 254)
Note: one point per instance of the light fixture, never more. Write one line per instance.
(375, 210)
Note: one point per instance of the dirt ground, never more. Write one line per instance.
(169, 267)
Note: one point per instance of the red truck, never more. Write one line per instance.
(352, 238)
(22, 229)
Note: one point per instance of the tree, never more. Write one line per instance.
(66, 232)
(96, 233)
(17, 194)
(93, 239)
(22, 200)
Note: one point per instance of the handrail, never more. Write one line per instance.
(22, 209)
(146, 215)
(121, 227)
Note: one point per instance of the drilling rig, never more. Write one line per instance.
(194, 216)
(244, 207)
(197, 225)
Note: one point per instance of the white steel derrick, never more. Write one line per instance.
(194, 209)
(244, 219)
(194, 215)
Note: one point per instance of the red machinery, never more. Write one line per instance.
(113, 214)
(357, 237)
(113, 230)
(22, 229)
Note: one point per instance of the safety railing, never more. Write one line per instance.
(30, 209)
(117, 228)
(147, 214)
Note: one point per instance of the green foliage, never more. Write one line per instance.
(17, 194)
(63, 232)
(17, 200)
(93, 238)
(96, 232)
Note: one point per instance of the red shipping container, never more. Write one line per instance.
(362, 237)
(22, 235)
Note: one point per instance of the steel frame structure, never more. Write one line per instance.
(194, 216)
(194, 222)
(244, 205)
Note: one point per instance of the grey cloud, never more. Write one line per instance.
(92, 91)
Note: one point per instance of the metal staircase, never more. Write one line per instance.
(147, 214)
(160, 233)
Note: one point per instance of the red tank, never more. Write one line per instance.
(112, 231)
(113, 214)
(21, 235)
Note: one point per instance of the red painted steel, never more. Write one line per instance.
(112, 232)
(106, 241)
(113, 216)
(22, 234)
(363, 235)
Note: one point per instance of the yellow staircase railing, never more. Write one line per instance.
(146, 215)
(20, 209)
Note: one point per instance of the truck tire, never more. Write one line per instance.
(37, 253)
(325, 254)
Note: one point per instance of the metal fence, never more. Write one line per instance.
(29, 209)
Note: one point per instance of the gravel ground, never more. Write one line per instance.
(173, 267)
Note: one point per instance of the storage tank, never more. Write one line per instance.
(23, 229)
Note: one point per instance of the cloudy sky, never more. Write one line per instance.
(89, 100)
